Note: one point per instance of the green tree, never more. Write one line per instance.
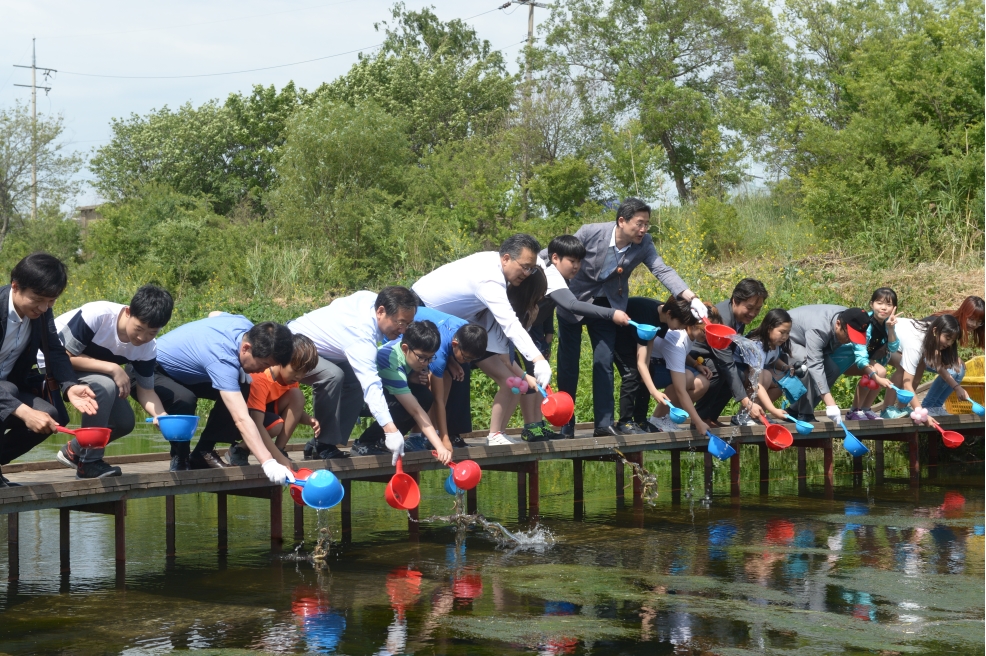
(55, 166)
(668, 64)
(438, 78)
(222, 151)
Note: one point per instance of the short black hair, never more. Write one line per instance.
(42, 273)
(472, 339)
(884, 294)
(422, 336)
(629, 207)
(152, 305)
(514, 245)
(748, 288)
(567, 246)
(396, 298)
(271, 340)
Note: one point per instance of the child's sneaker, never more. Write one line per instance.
(893, 412)
(416, 442)
(857, 415)
(937, 411)
(70, 459)
(96, 469)
(498, 439)
(361, 448)
(238, 455)
(870, 414)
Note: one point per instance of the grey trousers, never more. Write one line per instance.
(114, 413)
(806, 404)
(337, 399)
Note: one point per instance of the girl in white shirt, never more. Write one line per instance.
(773, 336)
(665, 363)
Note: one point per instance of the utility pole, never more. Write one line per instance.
(34, 121)
(528, 83)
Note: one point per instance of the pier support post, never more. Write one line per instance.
(802, 470)
(734, 469)
(63, 540)
(169, 526)
(829, 466)
(914, 463)
(638, 487)
(412, 515)
(471, 501)
(878, 458)
(620, 485)
(346, 508)
(764, 469)
(299, 522)
(221, 525)
(521, 495)
(276, 518)
(933, 443)
(120, 529)
(534, 490)
(708, 475)
(676, 476)
(857, 471)
(578, 487)
(13, 546)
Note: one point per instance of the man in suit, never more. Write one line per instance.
(737, 312)
(25, 317)
(613, 251)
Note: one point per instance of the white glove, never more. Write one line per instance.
(394, 442)
(277, 473)
(699, 309)
(542, 372)
(832, 412)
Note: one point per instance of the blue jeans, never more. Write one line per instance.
(939, 391)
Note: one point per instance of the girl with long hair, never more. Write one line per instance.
(925, 345)
(969, 316)
(872, 358)
(773, 336)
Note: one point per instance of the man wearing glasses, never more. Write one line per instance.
(612, 253)
(346, 334)
(475, 289)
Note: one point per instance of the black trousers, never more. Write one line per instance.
(17, 439)
(402, 418)
(634, 397)
(458, 409)
(181, 399)
(602, 336)
(720, 393)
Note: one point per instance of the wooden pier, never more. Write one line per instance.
(48, 484)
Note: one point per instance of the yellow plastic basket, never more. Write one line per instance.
(973, 383)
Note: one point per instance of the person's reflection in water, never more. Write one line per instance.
(560, 644)
(403, 588)
(321, 626)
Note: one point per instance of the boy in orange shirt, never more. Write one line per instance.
(277, 404)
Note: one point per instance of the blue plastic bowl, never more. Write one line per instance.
(904, 396)
(322, 490)
(177, 428)
(646, 331)
(853, 445)
(977, 408)
(720, 449)
(678, 415)
(450, 485)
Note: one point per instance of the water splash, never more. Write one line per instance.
(319, 556)
(536, 536)
(753, 356)
(647, 479)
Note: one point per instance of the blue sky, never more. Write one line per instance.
(180, 37)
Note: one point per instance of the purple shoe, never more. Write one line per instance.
(870, 414)
(857, 415)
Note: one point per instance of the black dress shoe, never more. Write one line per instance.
(206, 460)
(629, 428)
(648, 427)
(329, 451)
(606, 431)
(457, 442)
(179, 462)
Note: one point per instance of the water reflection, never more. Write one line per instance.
(890, 571)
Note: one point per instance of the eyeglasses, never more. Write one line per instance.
(527, 270)
(424, 358)
(400, 323)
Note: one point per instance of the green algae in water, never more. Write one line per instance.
(573, 583)
(534, 631)
(896, 521)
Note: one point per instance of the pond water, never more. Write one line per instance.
(872, 570)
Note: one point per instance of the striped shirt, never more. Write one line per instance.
(392, 368)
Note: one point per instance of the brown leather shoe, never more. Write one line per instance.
(206, 460)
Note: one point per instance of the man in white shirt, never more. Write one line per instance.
(475, 289)
(347, 333)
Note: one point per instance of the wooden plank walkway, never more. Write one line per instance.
(48, 484)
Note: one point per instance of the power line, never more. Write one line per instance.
(248, 70)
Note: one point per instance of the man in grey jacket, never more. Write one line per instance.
(613, 251)
(820, 339)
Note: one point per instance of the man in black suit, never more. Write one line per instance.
(26, 323)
